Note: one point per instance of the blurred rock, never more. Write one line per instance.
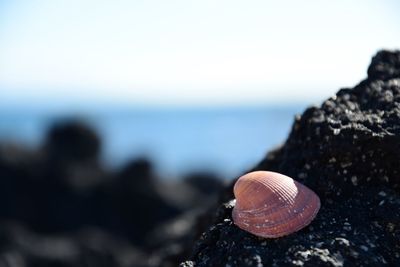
(347, 150)
(136, 205)
(20, 247)
(50, 197)
(196, 190)
(72, 141)
(172, 240)
(206, 183)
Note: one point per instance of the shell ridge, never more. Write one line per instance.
(300, 226)
(262, 208)
(289, 206)
(270, 208)
(284, 194)
(292, 215)
(283, 191)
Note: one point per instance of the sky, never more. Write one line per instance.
(194, 53)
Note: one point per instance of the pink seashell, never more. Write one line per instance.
(270, 204)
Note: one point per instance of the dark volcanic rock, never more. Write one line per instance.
(348, 151)
(385, 65)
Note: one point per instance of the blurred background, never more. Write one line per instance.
(120, 121)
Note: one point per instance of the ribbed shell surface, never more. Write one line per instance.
(270, 204)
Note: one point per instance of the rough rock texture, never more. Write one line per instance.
(348, 151)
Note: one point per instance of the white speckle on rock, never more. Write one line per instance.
(370, 244)
(297, 262)
(232, 203)
(343, 241)
(347, 226)
(302, 175)
(346, 164)
(382, 194)
(258, 260)
(354, 180)
(354, 253)
(324, 255)
(390, 226)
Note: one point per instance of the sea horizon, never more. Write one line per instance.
(226, 140)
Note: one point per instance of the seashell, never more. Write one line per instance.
(270, 204)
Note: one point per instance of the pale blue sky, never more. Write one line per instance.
(188, 52)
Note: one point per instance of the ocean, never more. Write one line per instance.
(178, 141)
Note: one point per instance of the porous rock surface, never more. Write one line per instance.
(348, 151)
